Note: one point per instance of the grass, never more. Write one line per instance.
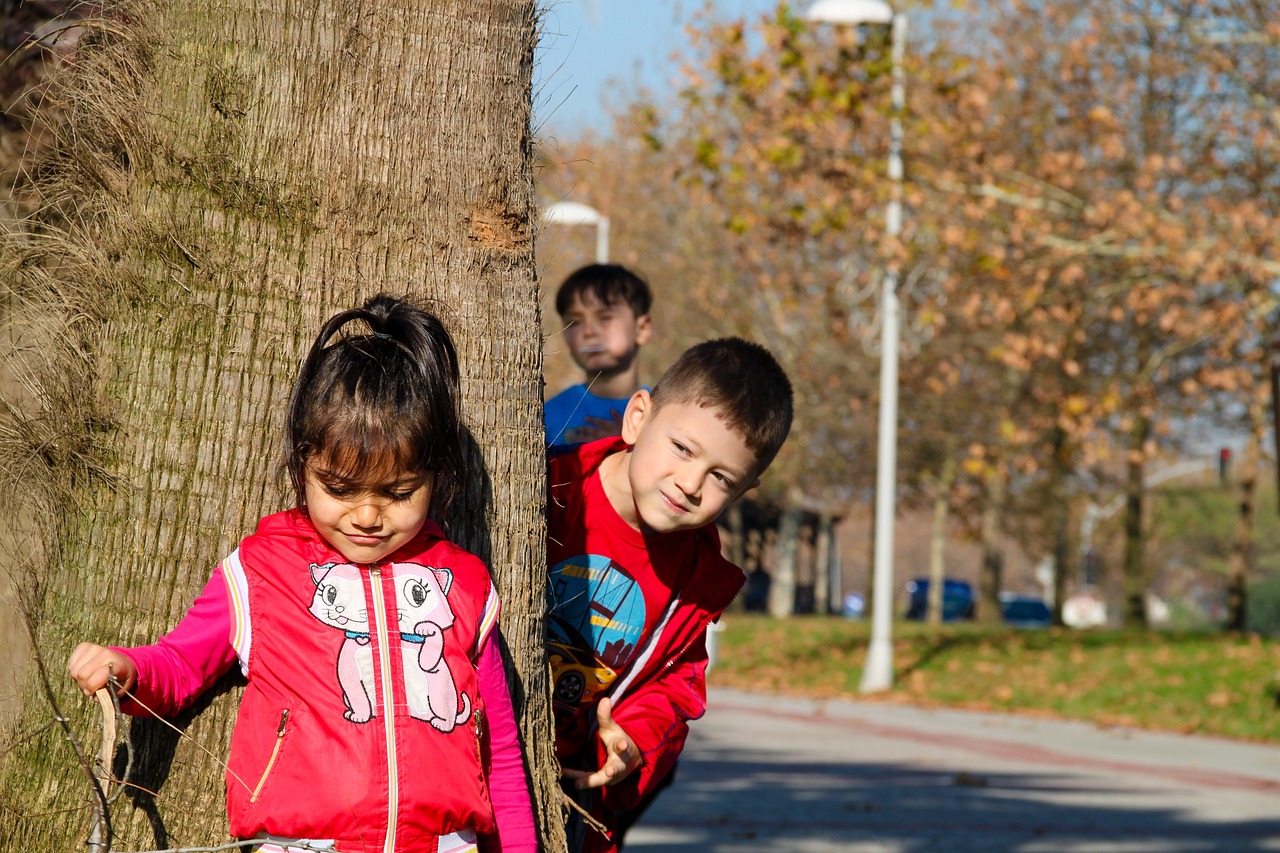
(1218, 684)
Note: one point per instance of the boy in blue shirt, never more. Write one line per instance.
(605, 308)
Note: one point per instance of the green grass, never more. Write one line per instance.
(1205, 683)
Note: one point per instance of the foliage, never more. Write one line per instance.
(1182, 682)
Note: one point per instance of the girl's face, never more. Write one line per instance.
(367, 520)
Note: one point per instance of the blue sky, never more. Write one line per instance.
(591, 48)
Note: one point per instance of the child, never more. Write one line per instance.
(637, 574)
(376, 715)
(605, 308)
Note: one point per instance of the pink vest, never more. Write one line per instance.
(361, 721)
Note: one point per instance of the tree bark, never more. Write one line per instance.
(1135, 543)
(991, 578)
(1242, 554)
(234, 174)
(782, 591)
(938, 537)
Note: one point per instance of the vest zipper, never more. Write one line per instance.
(388, 706)
(275, 753)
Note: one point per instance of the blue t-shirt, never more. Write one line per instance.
(566, 415)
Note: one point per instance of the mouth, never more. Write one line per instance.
(677, 508)
(590, 350)
(363, 539)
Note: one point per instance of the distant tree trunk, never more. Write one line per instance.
(1241, 561)
(1135, 544)
(235, 173)
(1058, 473)
(938, 537)
(782, 590)
(991, 578)
(826, 593)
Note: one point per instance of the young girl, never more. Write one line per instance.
(376, 716)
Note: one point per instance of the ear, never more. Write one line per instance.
(644, 329)
(639, 408)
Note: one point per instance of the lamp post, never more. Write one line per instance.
(877, 673)
(574, 213)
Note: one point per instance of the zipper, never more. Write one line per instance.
(388, 706)
(275, 753)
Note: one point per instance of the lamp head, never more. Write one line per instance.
(850, 12)
(571, 213)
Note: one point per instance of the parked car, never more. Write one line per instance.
(1025, 611)
(957, 599)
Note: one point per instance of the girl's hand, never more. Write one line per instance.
(90, 664)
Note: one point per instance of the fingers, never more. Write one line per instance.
(90, 666)
(615, 769)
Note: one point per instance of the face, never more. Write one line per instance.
(685, 465)
(367, 521)
(603, 339)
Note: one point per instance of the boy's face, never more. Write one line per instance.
(685, 466)
(603, 338)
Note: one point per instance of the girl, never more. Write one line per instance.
(376, 715)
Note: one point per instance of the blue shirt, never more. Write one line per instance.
(566, 415)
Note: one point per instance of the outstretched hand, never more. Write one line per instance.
(621, 754)
(90, 665)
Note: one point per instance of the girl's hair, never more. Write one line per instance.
(379, 399)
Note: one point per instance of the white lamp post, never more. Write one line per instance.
(574, 213)
(877, 674)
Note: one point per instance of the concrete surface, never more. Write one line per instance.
(773, 773)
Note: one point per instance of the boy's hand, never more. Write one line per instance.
(91, 664)
(622, 756)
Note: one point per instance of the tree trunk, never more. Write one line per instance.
(938, 537)
(1241, 561)
(991, 578)
(826, 589)
(782, 591)
(1135, 545)
(1061, 469)
(238, 173)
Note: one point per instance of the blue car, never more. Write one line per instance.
(1025, 611)
(957, 600)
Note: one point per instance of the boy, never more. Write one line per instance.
(637, 574)
(605, 308)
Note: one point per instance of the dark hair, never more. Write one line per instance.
(608, 283)
(383, 396)
(743, 382)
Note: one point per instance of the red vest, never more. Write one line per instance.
(361, 720)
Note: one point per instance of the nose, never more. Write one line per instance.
(367, 514)
(689, 481)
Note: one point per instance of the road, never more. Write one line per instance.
(772, 773)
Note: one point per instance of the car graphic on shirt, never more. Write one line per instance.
(577, 675)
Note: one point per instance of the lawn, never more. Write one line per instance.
(1204, 683)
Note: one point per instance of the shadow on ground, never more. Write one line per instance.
(726, 802)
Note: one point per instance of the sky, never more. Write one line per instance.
(592, 48)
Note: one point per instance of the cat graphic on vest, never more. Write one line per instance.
(423, 606)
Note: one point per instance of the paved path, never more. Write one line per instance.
(768, 773)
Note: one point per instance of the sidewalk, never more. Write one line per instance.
(774, 773)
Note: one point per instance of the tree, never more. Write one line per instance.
(228, 177)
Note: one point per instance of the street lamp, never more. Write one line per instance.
(877, 674)
(574, 213)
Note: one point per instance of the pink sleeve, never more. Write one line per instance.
(508, 787)
(183, 663)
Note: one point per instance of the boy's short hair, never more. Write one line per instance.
(743, 382)
(609, 284)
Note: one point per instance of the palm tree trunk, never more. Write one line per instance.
(236, 173)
